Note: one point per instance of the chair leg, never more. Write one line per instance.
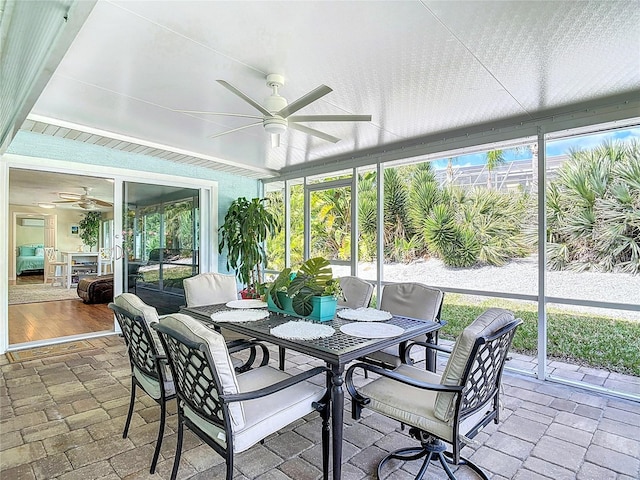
(324, 407)
(464, 461)
(325, 442)
(156, 453)
(131, 402)
(281, 355)
(404, 454)
(176, 461)
(229, 465)
(431, 448)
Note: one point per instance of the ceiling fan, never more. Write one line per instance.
(83, 200)
(277, 113)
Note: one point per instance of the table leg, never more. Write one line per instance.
(431, 359)
(337, 415)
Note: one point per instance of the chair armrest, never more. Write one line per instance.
(428, 345)
(235, 346)
(276, 387)
(435, 387)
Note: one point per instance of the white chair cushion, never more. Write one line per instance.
(136, 307)
(412, 300)
(357, 293)
(408, 404)
(485, 325)
(152, 386)
(209, 289)
(413, 406)
(197, 332)
(266, 415)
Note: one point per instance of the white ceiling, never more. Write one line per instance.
(418, 67)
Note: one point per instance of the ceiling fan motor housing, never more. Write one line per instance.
(275, 124)
(274, 103)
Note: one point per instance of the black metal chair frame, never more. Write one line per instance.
(143, 355)
(403, 350)
(486, 362)
(235, 346)
(207, 398)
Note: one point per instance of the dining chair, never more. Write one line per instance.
(211, 288)
(55, 271)
(230, 412)
(149, 369)
(356, 293)
(450, 408)
(413, 300)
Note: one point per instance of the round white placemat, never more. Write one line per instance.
(301, 330)
(239, 315)
(364, 314)
(371, 330)
(249, 303)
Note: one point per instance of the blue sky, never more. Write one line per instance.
(554, 148)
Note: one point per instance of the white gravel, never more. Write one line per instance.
(518, 276)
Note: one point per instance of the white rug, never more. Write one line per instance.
(40, 293)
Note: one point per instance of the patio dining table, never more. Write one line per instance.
(336, 351)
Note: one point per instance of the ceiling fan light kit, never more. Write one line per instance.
(277, 113)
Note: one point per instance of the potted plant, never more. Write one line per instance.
(310, 292)
(89, 229)
(246, 226)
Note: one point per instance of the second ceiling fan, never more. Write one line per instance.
(83, 200)
(277, 113)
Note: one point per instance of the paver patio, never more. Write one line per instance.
(62, 417)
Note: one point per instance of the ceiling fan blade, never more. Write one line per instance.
(314, 132)
(305, 100)
(102, 203)
(198, 112)
(66, 201)
(234, 130)
(330, 118)
(275, 140)
(246, 98)
(70, 196)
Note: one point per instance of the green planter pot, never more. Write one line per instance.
(324, 308)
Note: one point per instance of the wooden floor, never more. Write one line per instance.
(29, 322)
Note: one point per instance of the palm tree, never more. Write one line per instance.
(450, 162)
(495, 158)
(595, 219)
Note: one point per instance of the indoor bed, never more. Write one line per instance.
(30, 257)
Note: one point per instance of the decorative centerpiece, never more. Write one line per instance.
(311, 292)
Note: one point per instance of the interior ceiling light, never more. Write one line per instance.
(46, 205)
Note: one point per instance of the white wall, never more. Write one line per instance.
(29, 235)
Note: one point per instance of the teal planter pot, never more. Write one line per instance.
(324, 308)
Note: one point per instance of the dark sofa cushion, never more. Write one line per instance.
(96, 289)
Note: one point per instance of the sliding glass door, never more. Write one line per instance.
(160, 242)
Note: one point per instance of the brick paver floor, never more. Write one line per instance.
(62, 417)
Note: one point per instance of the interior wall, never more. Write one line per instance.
(29, 235)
